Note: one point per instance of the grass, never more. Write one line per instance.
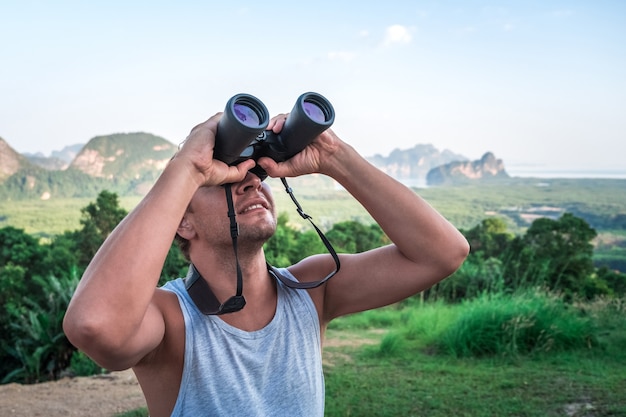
(405, 374)
(431, 386)
(385, 363)
(465, 205)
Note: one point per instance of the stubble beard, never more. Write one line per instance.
(253, 237)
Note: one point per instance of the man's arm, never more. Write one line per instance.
(113, 315)
(425, 247)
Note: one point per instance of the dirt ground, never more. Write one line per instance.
(116, 392)
(95, 396)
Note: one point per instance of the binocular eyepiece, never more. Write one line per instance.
(242, 134)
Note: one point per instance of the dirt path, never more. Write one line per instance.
(97, 396)
(109, 394)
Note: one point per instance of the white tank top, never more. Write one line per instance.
(274, 371)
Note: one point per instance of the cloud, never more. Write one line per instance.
(344, 56)
(397, 34)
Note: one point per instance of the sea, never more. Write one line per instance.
(539, 172)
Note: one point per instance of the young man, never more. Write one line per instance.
(264, 359)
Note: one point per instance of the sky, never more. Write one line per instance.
(541, 84)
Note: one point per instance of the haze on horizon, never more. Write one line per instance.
(537, 83)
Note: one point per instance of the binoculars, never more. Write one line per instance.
(242, 134)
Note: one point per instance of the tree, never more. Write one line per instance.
(281, 249)
(490, 238)
(19, 248)
(98, 221)
(558, 252)
(354, 237)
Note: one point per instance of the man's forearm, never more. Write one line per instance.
(419, 231)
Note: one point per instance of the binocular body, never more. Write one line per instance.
(242, 134)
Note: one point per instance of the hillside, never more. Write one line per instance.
(414, 163)
(10, 161)
(486, 168)
(58, 160)
(124, 156)
(125, 163)
(129, 163)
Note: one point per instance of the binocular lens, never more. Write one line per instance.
(314, 112)
(246, 115)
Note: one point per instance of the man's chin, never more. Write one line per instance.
(257, 234)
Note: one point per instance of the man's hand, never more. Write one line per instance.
(197, 154)
(318, 157)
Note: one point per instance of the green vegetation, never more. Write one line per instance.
(530, 310)
(415, 367)
(401, 360)
(517, 201)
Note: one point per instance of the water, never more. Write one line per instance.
(540, 172)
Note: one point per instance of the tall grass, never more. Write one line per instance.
(413, 368)
(526, 354)
(525, 323)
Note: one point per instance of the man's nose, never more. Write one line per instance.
(251, 181)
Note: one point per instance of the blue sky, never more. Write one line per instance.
(539, 83)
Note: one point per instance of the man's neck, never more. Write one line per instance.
(259, 288)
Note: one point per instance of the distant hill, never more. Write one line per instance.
(58, 160)
(130, 163)
(124, 156)
(414, 163)
(486, 168)
(127, 163)
(10, 161)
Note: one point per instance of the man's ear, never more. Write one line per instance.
(185, 229)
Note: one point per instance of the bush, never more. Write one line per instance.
(525, 323)
(35, 342)
(82, 365)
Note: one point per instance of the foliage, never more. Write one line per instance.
(354, 237)
(175, 265)
(490, 238)
(19, 248)
(140, 412)
(557, 253)
(390, 370)
(553, 253)
(38, 281)
(35, 334)
(526, 323)
(37, 277)
(98, 221)
(82, 365)
(402, 374)
(287, 246)
(34, 183)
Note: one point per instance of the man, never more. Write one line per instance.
(264, 359)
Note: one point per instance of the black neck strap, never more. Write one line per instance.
(329, 247)
(203, 296)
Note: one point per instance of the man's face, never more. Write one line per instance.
(254, 210)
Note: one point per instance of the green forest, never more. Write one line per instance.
(38, 275)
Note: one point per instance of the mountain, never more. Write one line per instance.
(125, 163)
(414, 163)
(487, 167)
(10, 160)
(124, 156)
(68, 153)
(45, 162)
(130, 163)
(58, 160)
